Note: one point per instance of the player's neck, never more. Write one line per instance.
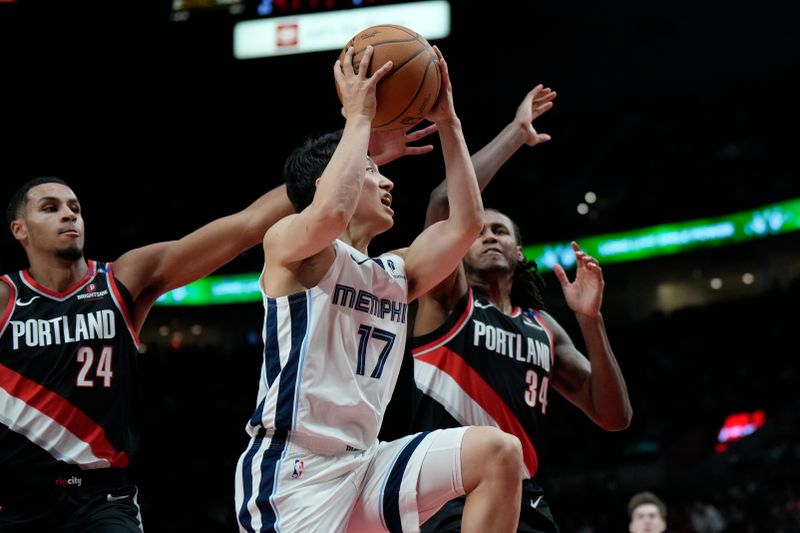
(497, 290)
(358, 236)
(57, 274)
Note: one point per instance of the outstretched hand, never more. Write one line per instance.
(584, 295)
(536, 103)
(387, 145)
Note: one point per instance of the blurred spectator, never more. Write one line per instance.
(648, 513)
(706, 518)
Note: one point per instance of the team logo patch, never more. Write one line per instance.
(298, 469)
(92, 293)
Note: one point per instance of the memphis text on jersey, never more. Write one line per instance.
(367, 302)
(63, 329)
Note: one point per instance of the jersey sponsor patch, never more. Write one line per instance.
(72, 481)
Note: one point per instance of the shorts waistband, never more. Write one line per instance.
(312, 443)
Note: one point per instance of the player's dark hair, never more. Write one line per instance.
(305, 164)
(527, 284)
(643, 498)
(20, 198)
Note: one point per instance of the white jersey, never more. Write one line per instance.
(332, 352)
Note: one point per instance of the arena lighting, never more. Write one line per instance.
(632, 245)
(315, 32)
(667, 239)
(213, 290)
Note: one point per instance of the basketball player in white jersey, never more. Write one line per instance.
(334, 331)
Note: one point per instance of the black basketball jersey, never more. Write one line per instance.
(67, 373)
(483, 367)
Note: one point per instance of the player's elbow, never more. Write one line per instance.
(619, 421)
(336, 221)
(332, 216)
(472, 222)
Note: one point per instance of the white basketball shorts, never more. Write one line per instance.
(283, 486)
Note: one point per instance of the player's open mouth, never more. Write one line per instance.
(387, 200)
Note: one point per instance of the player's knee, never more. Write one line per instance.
(491, 457)
(509, 453)
(505, 452)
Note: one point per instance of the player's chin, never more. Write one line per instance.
(494, 264)
(384, 222)
(70, 253)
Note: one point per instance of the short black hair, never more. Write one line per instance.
(305, 164)
(20, 198)
(642, 498)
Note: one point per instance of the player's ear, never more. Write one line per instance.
(18, 229)
(520, 255)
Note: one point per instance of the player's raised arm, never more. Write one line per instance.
(439, 248)
(440, 300)
(338, 188)
(488, 160)
(152, 270)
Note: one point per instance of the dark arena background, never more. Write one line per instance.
(668, 112)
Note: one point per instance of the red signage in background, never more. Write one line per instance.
(737, 426)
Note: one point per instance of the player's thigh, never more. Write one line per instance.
(447, 519)
(408, 481)
(286, 488)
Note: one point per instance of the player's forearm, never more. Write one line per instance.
(340, 184)
(609, 394)
(486, 162)
(463, 194)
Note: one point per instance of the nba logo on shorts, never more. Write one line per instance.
(298, 469)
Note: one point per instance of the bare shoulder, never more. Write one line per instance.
(549, 321)
(136, 269)
(5, 293)
(400, 252)
(275, 233)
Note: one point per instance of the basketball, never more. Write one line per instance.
(409, 91)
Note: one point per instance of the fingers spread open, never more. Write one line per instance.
(560, 275)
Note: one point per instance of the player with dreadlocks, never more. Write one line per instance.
(485, 351)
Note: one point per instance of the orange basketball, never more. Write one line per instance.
(408, 92)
